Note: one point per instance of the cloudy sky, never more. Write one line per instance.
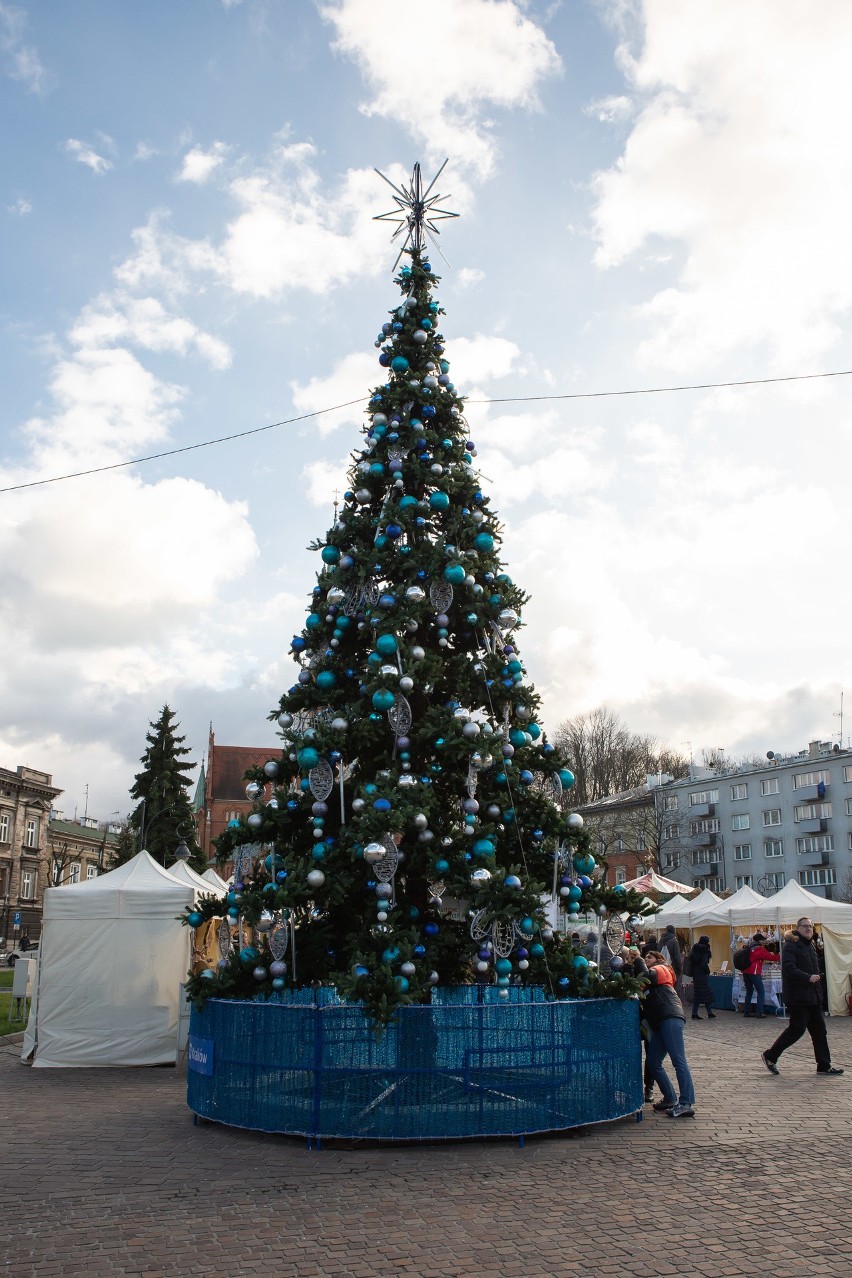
(653, 194)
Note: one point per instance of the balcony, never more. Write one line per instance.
(812, 793)
(814, 858)
(705, 870)
(702, 810)
(819, 825)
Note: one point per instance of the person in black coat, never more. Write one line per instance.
(801, 982)
(699, 957)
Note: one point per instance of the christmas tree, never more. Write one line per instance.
(416, 822)
(163, 816)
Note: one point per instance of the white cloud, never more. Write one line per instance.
(144, 151)
(482, 357)
(145, 322)
(85, 154)
(200, 165)
(738, 157)
(323, 479)
(468, 276)
(20, 208)
(22, 60)
(611, 110)
(350, 379)
(488, 54)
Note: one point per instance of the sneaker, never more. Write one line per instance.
(682, 1111)
(832, 1069)
(711, 1016)
(649, 1096)
(769, 1063)
(664, 1106)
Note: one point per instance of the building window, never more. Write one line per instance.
(847, 772)
(671, 803)
(31, 837)
(4, 827)
(773, 847)
(74, 873)
(671, 831)
(775, 881)
(704, 856)
(817, 878)
(704, 796)
(740, 791)
(849, 807)
(707, 825)
(801, 779)
(815, 843)
(714, 883)
(741, 822)
(771, 785)
(640, 841)
(742, 880)
(619, 843)
(742, 851)
(811, 811)
(620, 874)
(29, 878)
(91, 872)
(772, 816)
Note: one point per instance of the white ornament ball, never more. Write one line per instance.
(406, 683)
(316, 878)
(339, 725)
(433, 978)
(358, 805)
(285, 719)
(255, 821)
(523, 964)
(420, 821)
(382, 916)
(407, 969)
(470, 730)
(482, 966)
(417, 654)
(575, 821)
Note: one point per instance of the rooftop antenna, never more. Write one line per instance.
(840, 717)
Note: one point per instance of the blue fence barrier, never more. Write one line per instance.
(470, 1065)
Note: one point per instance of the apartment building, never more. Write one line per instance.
(763, 826)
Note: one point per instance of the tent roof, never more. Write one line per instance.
(653, 882)
(186, 874)
(139, 888)
(210, 876)
(685, 913)
(719, 914)
(790, 904)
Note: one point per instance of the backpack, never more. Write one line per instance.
(742, 958)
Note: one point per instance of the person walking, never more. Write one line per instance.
(801, 984)
(753, 974)
(699, 957)
(663, 1011)
(669, 947)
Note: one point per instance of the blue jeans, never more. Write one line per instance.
(667, 1040)
(753, 985)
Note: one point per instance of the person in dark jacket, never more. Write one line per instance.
(801, 982)
(663, 1012)
(699, 957)
(669, 941)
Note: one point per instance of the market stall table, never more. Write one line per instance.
(772, 991)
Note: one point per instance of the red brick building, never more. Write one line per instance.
(220, 794)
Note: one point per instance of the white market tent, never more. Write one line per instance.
(783, 909)
(720, 913)
(684, 913)
(212, 877)
(111, 960)
(186, 874)
(653, 882)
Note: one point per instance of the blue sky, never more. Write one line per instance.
(651, 194)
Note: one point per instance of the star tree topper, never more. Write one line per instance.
(416, 211)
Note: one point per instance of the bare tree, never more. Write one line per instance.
(608, 758)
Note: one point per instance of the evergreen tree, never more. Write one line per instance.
(125, 847)
(164, 814)
(409, 831)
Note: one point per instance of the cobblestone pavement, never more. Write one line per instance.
(103, 1173)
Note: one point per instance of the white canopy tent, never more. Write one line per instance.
(653, 882)
(186, 874)
(685, 913)
(111, 960)
(212, 877)
(783, 909)
(719, 914)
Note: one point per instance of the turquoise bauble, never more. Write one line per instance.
(330, 554)
(503, 966)
(279, 983)
(313, 620)
(406, 502)
(518, 737)
(566, 777)
(534, 730)
(580, 962)
(194, 919)
(574, 893)
(376, 469)
(383, 699)
(483, 847)
(573, 907)
(584, 864)
(308, 757)
(441, 867)
(326, 679)
(484, 541)
(399, 363)
(439, 501)
(402, 984)
(390, 955)
(454, 573)
(537, 949)
(527, 926)
(386, 645)
(249, 956)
